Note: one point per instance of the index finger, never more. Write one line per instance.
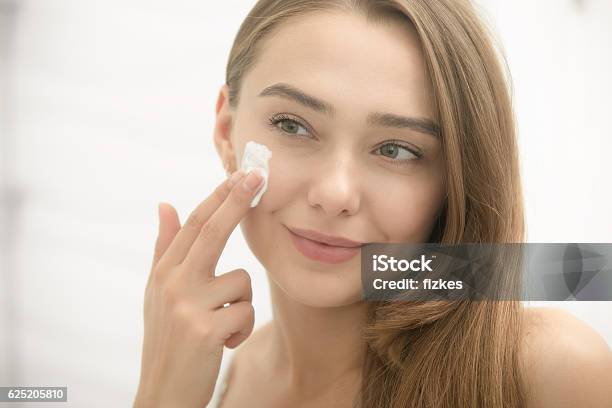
(206, 249)
(183, 240)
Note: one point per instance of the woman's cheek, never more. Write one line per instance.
(262, 226)
(407, 210)
(286, 178)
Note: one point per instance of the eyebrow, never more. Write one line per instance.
(392, 120)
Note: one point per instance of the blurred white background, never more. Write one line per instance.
(107, 107)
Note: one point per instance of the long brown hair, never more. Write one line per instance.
(439, 353)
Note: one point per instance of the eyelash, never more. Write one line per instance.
(274, 120)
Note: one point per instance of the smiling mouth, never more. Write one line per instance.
(323, 252)
(324, 239)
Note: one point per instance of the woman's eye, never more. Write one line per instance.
(289, 126)
(399, 152)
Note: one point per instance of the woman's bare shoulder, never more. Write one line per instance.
(566, 362)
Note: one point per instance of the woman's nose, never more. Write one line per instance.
(335, 188)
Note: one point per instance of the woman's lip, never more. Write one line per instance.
(323, 252)
(325, 239)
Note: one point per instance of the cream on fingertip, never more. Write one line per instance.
(256, 156)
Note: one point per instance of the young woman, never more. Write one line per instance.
(388, 121)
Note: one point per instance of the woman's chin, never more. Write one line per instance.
(318, 289)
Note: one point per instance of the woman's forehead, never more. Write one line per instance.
(342, 56)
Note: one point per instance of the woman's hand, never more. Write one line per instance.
(185, 323)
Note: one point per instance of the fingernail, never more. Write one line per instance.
(252, 180)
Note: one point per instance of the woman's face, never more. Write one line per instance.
(346, 165)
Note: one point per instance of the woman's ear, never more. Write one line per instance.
(223, 131)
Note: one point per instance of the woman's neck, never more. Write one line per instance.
(314, 348)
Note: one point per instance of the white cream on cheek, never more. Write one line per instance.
(256, 156)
